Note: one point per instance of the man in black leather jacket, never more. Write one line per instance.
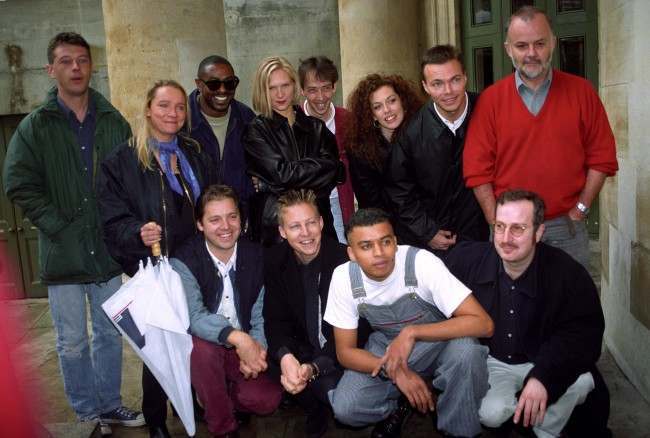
(432, 205)
(286, 149)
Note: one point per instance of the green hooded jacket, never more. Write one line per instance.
(43, 175)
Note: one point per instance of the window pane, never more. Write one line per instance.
(484, 74)
(572, 55)
(516, 4)
(570, 5)
(481, 12)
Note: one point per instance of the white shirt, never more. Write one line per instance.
(436, 285)
(330, 123)
(227, 304)
(453, 126)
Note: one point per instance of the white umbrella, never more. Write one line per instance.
(150, 310)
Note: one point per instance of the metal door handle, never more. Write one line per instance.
(19, 229)
(10, 229)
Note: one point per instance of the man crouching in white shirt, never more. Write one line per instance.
(424, 323)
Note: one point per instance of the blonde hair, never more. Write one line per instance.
(261, 100)
(143, 132)
(295, 197)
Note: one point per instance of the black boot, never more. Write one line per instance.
(159, 432)
(317, 422)
(391, 427)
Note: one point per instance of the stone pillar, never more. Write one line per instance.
(148, 40)
(625, 200)
(379, 36)
(440, 23)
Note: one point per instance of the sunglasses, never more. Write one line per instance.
(215, 84)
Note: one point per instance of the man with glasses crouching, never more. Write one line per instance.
(548, 325)
(218, 121)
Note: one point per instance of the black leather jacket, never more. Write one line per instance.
(130, 196)
(426, 187)
(368, 181)
(284, 157)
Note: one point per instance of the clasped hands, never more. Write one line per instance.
(252, 355)
(295, 375)
(394, 362)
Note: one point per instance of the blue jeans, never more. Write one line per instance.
(456, 367)
(91, 377)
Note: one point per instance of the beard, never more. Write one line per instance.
(545, 66)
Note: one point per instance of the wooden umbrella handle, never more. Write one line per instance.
(155, 249)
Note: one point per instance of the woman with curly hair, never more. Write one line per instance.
(380, 105)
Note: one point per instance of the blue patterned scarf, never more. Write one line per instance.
(167, 149)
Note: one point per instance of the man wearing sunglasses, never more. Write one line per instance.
(218, 121)
(548, 325)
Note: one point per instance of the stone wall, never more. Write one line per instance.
(30, 24)
(143, 47)
(295, 29)
(381, 36)
(625, 200)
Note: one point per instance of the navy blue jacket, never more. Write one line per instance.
(198, 274)
(231, 169)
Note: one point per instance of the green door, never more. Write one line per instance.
(18, 237)
(484, 32)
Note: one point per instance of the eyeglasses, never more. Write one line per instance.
(517, 230)
(215, 84)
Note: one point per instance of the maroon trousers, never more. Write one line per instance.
(222, 389)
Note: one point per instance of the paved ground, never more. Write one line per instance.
(629, 417)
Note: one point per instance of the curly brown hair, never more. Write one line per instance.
(363, 137)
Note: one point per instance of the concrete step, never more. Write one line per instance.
(88, 429)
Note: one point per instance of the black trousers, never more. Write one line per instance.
(314, 397)
(154, 400)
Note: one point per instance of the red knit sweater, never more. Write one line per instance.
(549, 153)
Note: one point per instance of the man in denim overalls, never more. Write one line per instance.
(424, 321)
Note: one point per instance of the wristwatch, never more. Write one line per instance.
(582, 208)
(383, 375)
(315, 371)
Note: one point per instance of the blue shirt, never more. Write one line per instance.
(534, 100)
(85, 135)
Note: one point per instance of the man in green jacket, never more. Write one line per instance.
(49, 172)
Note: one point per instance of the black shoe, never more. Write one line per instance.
(159, 432)
(243, 418)
(391, 427)
(316, 423)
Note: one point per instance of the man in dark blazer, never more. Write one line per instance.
(297, 277)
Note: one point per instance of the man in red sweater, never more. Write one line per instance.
(541, 130)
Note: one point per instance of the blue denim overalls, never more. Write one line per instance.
(458, 367)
